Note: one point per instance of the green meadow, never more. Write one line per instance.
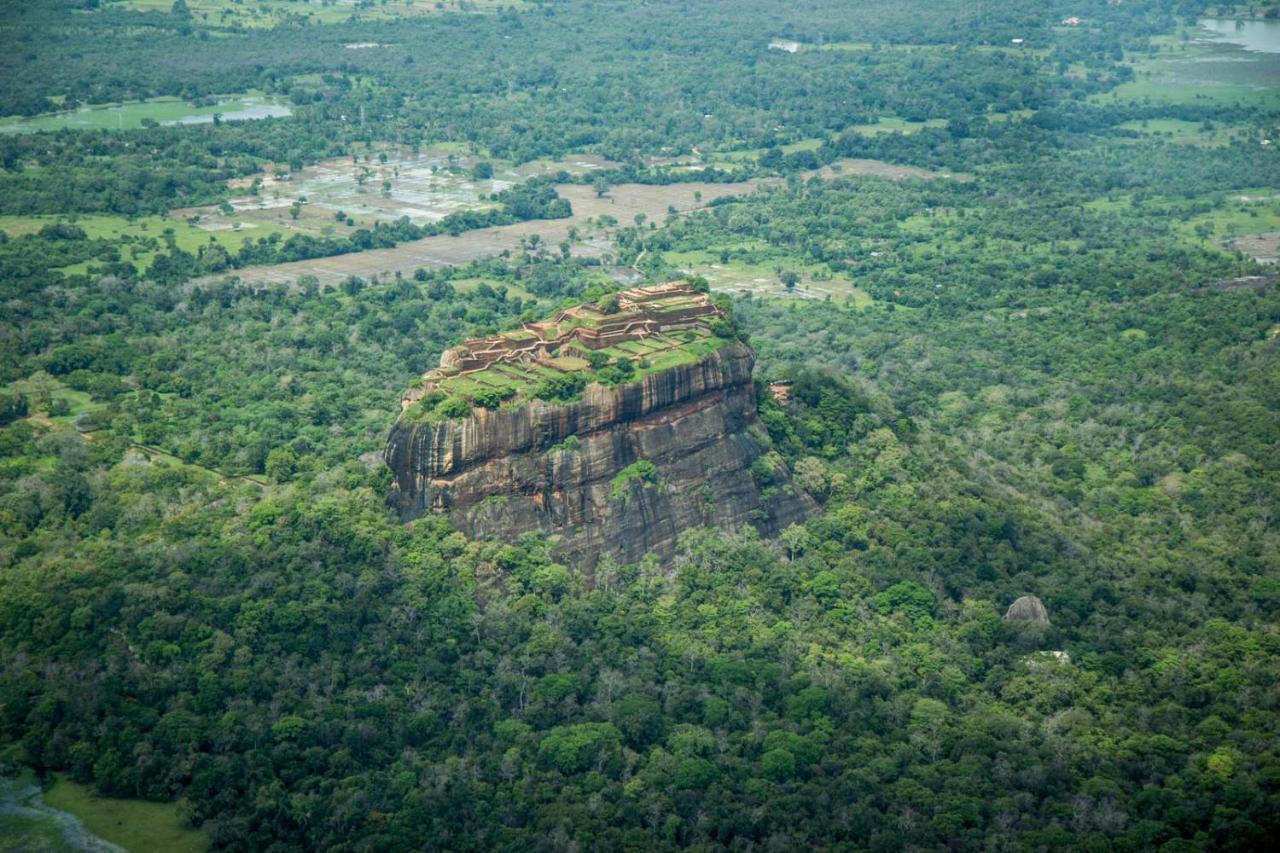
(135, 114)
(132, 233)
(136, 825)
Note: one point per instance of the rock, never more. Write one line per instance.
(503, 472)
(1028, 608)
(1048, 661)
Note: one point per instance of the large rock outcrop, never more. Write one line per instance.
(1027, 608)
(562, 468)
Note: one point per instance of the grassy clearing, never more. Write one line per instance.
(140, 238)
(1237, 218)
(164, 110)
(760, 277)
(893, 124)
(1184, 132)
(1190, 70)
(32, 832)
(864, 46)
(132, 824)
(46, 394)
(810, 144)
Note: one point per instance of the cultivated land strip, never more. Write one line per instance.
(623, 202)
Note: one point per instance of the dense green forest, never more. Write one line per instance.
(1039, 360)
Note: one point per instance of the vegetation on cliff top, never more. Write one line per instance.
(563, 378)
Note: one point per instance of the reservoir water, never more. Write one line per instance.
(1256, 36)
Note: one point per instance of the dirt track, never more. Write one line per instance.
(623, 202)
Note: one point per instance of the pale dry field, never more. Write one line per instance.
(623, 203)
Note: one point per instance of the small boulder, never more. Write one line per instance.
(1028, 608)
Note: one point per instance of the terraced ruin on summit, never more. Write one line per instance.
(623, 337)
(608, 428)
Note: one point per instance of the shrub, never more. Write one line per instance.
(641, 469)
(454, 407)
(491, 398)
(561, 388)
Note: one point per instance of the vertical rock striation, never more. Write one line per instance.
(503, 472)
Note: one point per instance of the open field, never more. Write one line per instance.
(761, 278)
(234, 14)
(1263, 248)
(1248, 223)
(1185, 132)
(623, 203)
(70, 817)
(162, 110)
(27, 823)
(852, 166)
(847, 166)
(892, 124)
(141, 238)
(866, 46)
(1253, 212)
(135, 825)
(1199, 67)
(44, 392)
(426, 186)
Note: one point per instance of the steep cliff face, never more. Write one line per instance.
(499, 473)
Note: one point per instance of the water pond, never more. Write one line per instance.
(1255, 36)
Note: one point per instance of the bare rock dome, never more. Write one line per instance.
(1028, 608)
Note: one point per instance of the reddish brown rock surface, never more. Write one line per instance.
(503, 472)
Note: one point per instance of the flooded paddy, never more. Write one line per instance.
(620, 205)
(425, 186)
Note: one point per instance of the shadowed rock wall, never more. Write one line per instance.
(498, 473)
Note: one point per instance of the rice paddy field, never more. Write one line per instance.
(425, 185)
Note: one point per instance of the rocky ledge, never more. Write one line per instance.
(621, 471)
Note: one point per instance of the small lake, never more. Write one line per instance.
(244, 113)
(1256, 36)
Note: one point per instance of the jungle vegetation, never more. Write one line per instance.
(1044, 369)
